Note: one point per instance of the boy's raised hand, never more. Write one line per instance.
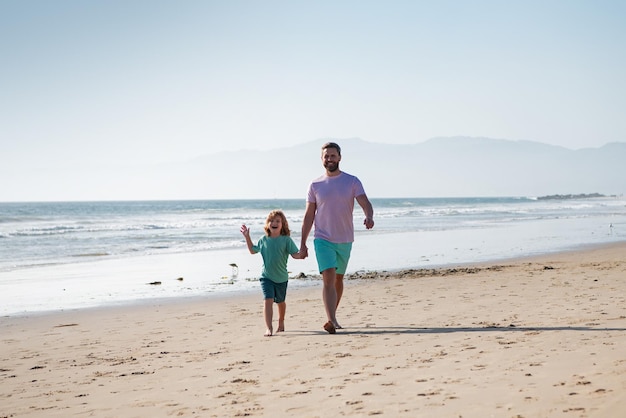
(245, 230)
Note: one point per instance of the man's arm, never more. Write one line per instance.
(307, 224)
(368, 210)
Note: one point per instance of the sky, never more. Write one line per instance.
(106, 83)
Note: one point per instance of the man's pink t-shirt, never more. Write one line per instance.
(334, 200)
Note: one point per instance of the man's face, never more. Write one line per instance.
(330, 159)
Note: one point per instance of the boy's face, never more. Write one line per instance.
(276, 224)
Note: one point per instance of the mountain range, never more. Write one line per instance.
(440, 167)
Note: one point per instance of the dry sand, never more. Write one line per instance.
(540, 337)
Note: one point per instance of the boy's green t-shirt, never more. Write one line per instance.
(275, 252)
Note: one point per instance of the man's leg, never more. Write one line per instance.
(343, 256)
(329, 295)
(339, 287)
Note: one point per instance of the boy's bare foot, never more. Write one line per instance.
(329, 327)
(281, 327)
(268, 333)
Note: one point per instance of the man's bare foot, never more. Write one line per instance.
(281, 326)
(329, 327)
(268, 333)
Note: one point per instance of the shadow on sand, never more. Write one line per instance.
(447, 330)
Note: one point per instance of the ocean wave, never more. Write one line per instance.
(54, 230)
(96, 254)
(74, 233)
(91, 229)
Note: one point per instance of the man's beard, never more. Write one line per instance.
(331, 167)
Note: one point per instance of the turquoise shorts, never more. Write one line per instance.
(273, 290)
(331, 255)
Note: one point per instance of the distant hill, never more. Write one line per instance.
(440, 167)
(450, 166)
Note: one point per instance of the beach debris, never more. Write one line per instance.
(180, 279)
(300, 276)
(154, 283)
(230, 279)
(548, 268)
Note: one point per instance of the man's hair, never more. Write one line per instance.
(332, 145)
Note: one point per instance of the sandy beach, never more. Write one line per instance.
(536, 337)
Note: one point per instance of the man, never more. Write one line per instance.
(330, 203)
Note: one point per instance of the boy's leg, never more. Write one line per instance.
(282, 308)
(279, 297)
(268, 312)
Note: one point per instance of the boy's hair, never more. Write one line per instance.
(285, 227)
(332, 145)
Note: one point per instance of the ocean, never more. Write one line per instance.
(72, 255)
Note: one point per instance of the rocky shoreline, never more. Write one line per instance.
(571, 196)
